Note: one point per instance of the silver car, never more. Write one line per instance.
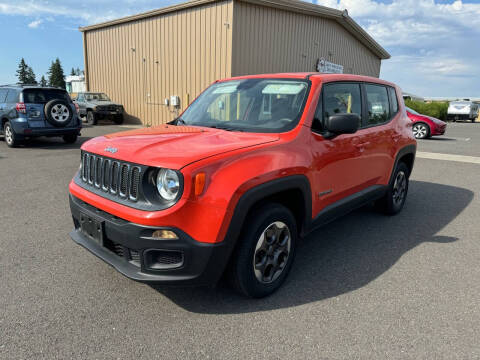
(462, 110)
(96, 106)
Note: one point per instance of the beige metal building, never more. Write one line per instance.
(142, 60)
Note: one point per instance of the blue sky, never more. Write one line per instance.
(435, 44)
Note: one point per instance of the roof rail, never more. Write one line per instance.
(19, 85)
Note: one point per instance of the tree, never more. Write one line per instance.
(73, 73)
(78, 72)
(22, 72)
(43, 81)
(55, 74)
(30, 76)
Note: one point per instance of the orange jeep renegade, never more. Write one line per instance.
(252, 165)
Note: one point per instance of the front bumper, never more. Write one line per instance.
(459, 116)
(107, 113)
(126, 246)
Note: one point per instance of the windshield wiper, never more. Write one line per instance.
(226, 128)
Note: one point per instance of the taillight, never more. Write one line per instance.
(20, 107)
(77, 107)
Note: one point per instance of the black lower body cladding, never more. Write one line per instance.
(129, 248)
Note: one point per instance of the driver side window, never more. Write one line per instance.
(337, 98)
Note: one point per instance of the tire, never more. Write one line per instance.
(70, 138)
(91, 118)
(394, 200)
(253, 246)
(58, 112)
(420, 130)
(9, 134)
(118, 119)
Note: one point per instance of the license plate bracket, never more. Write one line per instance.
(92, 228)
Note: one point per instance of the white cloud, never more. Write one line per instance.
(433, 45)
(35, 24)
(87, 11)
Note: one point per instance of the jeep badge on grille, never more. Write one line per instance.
(111, 149)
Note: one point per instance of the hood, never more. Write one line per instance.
(171, 146)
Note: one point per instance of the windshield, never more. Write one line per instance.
(97, 96)
(411, 111)
(251, 105)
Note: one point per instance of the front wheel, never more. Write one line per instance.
(10, 136)
(118, 119)
(265, 252)
(91, 118)
(394, 200)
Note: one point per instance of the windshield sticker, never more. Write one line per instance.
(284, 89)
(225, 89)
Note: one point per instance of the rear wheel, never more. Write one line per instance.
(70, 138)
(10, 136)
(394, 200)
(91, 118)
(421, 131)
(264, 256)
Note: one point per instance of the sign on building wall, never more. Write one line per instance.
(328, 67)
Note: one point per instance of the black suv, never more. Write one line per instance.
(28, 111)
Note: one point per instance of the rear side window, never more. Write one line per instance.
(12, 96)
(3, 95)
(378, 106)
(42, 96)
(393, 100)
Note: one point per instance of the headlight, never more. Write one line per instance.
(168, 184)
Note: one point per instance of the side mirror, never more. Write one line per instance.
(342, 124)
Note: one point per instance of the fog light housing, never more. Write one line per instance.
(164, 235)
(157, 259)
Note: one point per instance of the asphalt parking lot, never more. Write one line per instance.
(365, 286)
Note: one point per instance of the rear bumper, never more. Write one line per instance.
(22, 129)
(127, 247)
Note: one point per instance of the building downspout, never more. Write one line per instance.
(85, 60)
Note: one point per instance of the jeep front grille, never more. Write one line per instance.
(117, 177)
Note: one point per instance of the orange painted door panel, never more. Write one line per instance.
(338, 168)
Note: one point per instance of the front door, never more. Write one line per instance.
(339, 167)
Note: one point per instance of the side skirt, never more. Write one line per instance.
(347, 205)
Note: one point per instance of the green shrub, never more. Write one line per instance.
(435, 109)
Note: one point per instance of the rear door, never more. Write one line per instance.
(35, 101)
(3, 110)
(378, 134)
(81, 104)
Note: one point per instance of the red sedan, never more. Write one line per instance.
(425, 126)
